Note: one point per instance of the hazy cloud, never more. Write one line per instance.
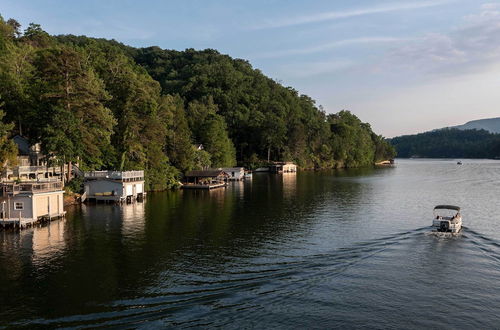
(473, 46)
(308, 69)
(326, 46)
(333, 15)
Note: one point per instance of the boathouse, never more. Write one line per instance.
(235, 173)
(283, 167)
(205, 179)
(113, 186)
(23, 204)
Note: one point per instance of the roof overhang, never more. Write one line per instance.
(447, 207)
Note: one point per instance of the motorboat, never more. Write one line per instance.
(447, 218)
(459, 162)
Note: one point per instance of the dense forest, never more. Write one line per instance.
(110, 106)
(449, 143)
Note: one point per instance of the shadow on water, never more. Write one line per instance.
(104, 252)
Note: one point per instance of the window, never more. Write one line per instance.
(18, 206)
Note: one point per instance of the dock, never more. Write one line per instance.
(24, 223)
(389, 162)
(204, 186)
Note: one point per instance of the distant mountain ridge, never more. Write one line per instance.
(491, 125)
(474, 139)
(448, 143)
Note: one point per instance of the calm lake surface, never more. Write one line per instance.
(317, 249)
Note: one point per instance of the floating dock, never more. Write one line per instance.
(204, 186)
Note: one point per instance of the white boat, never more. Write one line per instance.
(447, 218)
(248, 174)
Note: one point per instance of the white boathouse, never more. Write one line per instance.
(114, 186)
(23, 204)
(283, 167)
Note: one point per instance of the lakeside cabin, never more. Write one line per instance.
(235, 173)
(113, 186)
(205, 179)
(27, 203)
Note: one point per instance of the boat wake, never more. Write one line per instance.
(444, 235)
(292, 281)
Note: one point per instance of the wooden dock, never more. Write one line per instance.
(204, 186)
(22, 223)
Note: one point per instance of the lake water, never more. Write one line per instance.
(316, 249)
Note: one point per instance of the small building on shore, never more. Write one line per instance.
(26, 203)
(283, 167)
(235, 173)
(113, 186)
(205, 179)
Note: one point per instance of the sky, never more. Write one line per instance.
(404, 66)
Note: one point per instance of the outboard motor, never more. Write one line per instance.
(444, 226)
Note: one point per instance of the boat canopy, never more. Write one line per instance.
(447, 207)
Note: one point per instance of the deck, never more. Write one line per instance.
(28, 222)
(126, 176)
(30, 187)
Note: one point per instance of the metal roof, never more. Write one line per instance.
(447, 207)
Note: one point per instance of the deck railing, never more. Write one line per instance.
(33, 169)
(17, 188)
(114, 175)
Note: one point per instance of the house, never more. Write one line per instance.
(23, 204)
(283, 167)
(113, 186)
(205, 179)
(32, 164)
(235, 173)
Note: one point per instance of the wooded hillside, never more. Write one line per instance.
(110, 106)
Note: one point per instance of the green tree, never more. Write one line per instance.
(202, 159)
(8, 149)
(210, 130)
(179, 144)
(72, 122)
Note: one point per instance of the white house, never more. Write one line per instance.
(115, 186)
